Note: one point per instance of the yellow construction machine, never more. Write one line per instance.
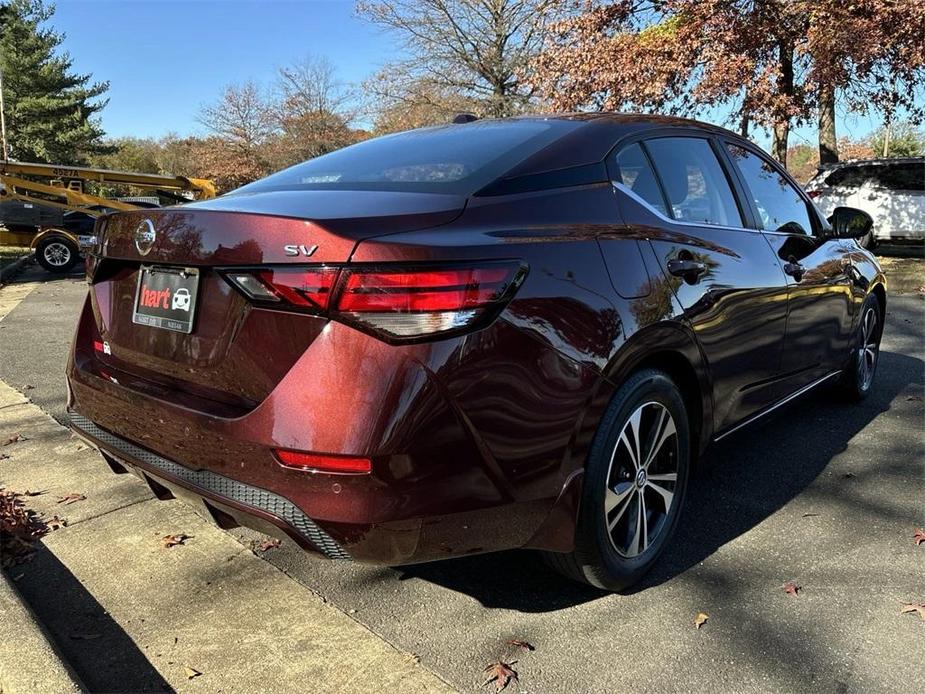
(47, 207)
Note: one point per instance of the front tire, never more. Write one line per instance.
(56, 254)
(858, 378)
(635, 482)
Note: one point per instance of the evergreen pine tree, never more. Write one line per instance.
(49, 109)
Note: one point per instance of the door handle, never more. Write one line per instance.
(687, 269)
(794, 269)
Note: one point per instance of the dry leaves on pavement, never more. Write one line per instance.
(176, 539)
(792, 588)
(14, 438)
(517, 643)
(190, 672)
(57, 523)
(918, 536)
(501, 674)
(20, 527)
(701, 619)
(914, 607)
(269, 543)
(71, 498)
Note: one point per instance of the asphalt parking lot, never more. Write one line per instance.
(825, 494)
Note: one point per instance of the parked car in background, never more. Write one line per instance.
(469, 338)
(892, 191)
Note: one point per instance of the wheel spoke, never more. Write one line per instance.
(633, 549)
(616, 496)
(666, 494)
(664, 429)
(627, 503)
(664, 477)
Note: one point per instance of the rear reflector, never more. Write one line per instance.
(314, 462)
(396, 303)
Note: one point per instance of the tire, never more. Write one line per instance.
(606, 553)
(858, 377)
(56, 254)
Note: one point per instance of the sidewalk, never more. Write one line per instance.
(129, 614)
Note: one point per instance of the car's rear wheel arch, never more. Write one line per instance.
(673, 351)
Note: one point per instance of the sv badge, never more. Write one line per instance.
(300, 249)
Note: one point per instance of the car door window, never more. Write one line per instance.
(694, 181)
(635, 172)
(780, 207)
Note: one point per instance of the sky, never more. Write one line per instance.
(165, 59)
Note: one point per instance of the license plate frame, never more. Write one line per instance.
(166, 297)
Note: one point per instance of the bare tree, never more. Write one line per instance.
(480, 50)
(242, 117)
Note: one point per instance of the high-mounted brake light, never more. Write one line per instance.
(315, 462)
(396, 303)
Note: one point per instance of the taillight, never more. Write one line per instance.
(396, 303)
(301, 288)
(813, 193)
(316, 462)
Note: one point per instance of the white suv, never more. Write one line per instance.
(892, 191)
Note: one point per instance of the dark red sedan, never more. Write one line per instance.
(473, 337)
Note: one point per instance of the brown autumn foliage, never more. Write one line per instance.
(20, 527)
(775, 63)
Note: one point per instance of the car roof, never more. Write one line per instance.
(882, 161)
(594, 140)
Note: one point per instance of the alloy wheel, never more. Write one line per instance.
(57, 254)
(641, 480)
(867, 352)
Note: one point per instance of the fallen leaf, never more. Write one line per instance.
(190, 672)
(270, 543)
(701, 619)
(810, 515)
(14, 438)
(28, 386)
(71, 498)
(914, 398)
(848, 475)
(55, 523)
(516, 643)
(501, 674)
(38, 493)
(918, 536)
(3, 456)
(914, 607)
(172, 540)
(792, 588)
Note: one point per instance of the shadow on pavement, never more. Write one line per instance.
(104, 657)
(739, 483)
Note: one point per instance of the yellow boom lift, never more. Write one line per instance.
(64, 187)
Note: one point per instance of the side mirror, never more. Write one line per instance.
(850, 223)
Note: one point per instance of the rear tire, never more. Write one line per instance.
(858, 377)
(634, 486)
(56, 254)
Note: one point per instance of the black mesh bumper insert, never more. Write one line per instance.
(220, 485)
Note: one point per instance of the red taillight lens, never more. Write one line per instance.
(813, 193)
(413, 303)
(305, 288)
(396, 303)
(314, 462)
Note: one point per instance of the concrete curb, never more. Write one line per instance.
(12, 269)
(30, 662)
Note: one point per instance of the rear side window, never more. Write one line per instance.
(451, 159)
(846, 176)
(694, 182)
(906, 176)
(636, 173)
(779, 205)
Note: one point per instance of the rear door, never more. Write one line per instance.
(895, 194)
(819, 272)
(724, 274)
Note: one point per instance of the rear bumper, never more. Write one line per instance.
(212, 487)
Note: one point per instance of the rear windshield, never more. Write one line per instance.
(451, 159)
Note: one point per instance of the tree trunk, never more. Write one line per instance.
(828, 144)
(784, 88)
(779, 144)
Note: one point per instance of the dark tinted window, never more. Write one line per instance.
(635, 172)
(780, 207)
(907, 176)
(847, 176)
(454, 159)
(694, 181)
